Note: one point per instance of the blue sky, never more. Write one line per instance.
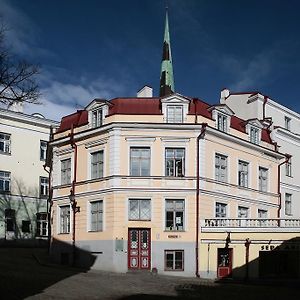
(105, 49)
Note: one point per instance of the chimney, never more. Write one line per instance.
(16, 106)
(145, 92)
(224, 94)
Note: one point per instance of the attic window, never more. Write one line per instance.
(97, 118)
(254, 135)
(222, 122)
(174, 114)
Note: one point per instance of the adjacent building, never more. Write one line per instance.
(23, 181)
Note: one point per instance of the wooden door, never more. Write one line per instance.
(224, 262)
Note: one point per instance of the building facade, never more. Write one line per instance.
(23, 180)
(171, 184)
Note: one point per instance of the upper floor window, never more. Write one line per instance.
(140, 161)
(287, 123)
(174, 114)
(288, 168)
(221, 167)
(288, 204)
(262, 214)
(42, 224)
(97, 117)
(174, 162)
(66, 171)
(174, 214)
(44, 186)
(96, 215)
(139, 209)
(222, 122)
(243, 212)
(64, 219)
(263, 179)
(97, 164)
(4, 143)
(243, 173)
(254, 135)
(4, 181)
(43, 150)
(221, 210)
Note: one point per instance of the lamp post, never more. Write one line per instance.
(75, 209)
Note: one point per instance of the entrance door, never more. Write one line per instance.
(139, 249)
(224, 262)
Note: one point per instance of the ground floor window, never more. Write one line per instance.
(10, 219)
(174, 260)
(25, 226)
(42, 224)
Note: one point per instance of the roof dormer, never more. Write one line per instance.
(175, 108)
(253, 129)
(222, 115)
(97, 110)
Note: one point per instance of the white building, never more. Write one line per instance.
(23, 180)
(285, 126)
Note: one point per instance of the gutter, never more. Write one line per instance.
(200, 136)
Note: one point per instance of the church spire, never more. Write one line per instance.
(166, 75)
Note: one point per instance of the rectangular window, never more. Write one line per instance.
(25, 226)
(10, 219)
(139, 161)
(4, 181)
(97, 164)
(243, 212)
(254, 134)
(221, 167)
(243, 173)
(174, 114)
(44, 187)
(43, 150)
(287, 123)
(4, 143)
(288, 168)
(96, 215)
(288, 204)
(97, 118)
(174, 160)
(263, 179)
(262, 213)
(221, 210)
(66, 171)
(174, 214)
(222, 122)
(64, 219)
(174, 260)
(139, 209)
(42, 224)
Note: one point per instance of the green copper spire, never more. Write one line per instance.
(166, 75)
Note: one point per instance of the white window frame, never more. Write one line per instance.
(97, 164)
(218, 212)
(288, 204)
(243, 174)
(254, 135)
(59, 215)
(221, 170)
(43, 150)
(63, 182)
(173, 252)
(177, 117)
(140, 159)
(176, 161)
(5, 177)
(5, 139)
(287, 123)
(263, 179)
(90, 227)
(139, 201)
(41, 224)
(44, 187)
(241, 210)
(174, 211)
(97, 117)
(222, 122)
(288, 168)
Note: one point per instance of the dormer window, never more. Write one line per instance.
(254, 135)
(97, 117)
(287, 123)
(174, 114)
(222, 122)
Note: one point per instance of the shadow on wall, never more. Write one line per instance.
(275, 262)
(28, 271)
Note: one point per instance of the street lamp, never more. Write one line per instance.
(73, 202)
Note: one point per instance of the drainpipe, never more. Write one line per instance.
(200, 136)
(287, 158)
(247, 245)
(73, 201)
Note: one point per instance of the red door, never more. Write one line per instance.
(139, 249)
(224, 262)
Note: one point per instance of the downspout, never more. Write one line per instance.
(200, 136)
(72, 195)
(287, 158)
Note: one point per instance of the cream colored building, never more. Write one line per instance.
(171, 184)
(23, 180)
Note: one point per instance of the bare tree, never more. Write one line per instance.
(17, 77)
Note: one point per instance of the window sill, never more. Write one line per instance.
(5, 153)
(139, 220)
(91, 231)
(64, 233)
(171, 270)
(175, 230)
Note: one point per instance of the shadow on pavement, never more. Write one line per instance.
(28, 271)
